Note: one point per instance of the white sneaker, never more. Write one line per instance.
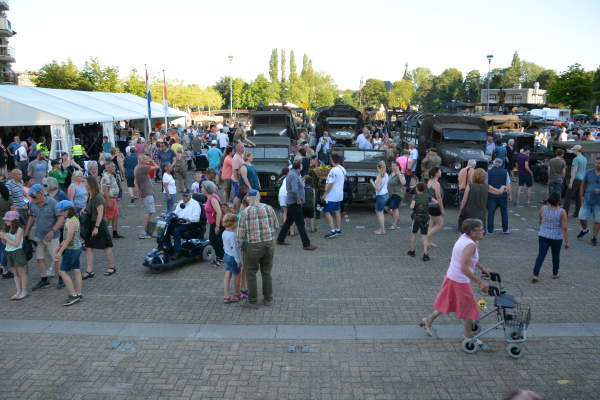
(230, 205)
(49, 272)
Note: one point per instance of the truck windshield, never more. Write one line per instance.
(268, 152)
(476, 136)
(269, 120)
(363, 156)
(350, 125)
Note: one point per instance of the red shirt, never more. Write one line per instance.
(227, 167)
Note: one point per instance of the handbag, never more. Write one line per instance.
(225, 209)
(462, 216)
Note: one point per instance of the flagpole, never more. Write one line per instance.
(149, 98)
(165, 102)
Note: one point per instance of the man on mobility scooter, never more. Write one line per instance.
(187, 211)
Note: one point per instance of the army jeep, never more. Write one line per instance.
(271, 154)
(341, 121)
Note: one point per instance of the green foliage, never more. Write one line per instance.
(297, 89)
(65, 75)
(274, 93)
(135, 84)
(471, 87)
(374, 93)
(326, 90)
(258, 90)
(571, 87)
(546, 77)
(589, 113)
(402, 92)
(100, 79)
(347, 98)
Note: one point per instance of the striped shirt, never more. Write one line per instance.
(257, 223)
(17, 193)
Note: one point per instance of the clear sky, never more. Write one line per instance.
(191, 40)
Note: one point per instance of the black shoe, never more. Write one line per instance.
(175, 255)
(8, 275)
(80, 297)
(117, 236)
(318, 214)
(61, 283)
(583, 233)
(411, 253)
(71, 300)
(41, 285)
(594, 242)
(425, 257)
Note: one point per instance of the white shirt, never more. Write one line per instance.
(360, 138)
(167, 178)
(283, 193)
(195, 187)
(230, 245)
(22, 153)
(383, 189)
(414, 154)
(191, 210)
(563, 137)
(337, 176)
(223, 139)
(127, 149)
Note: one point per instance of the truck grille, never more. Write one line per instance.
(482, 164)
(263, 178)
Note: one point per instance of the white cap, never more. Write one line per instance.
(214, 142)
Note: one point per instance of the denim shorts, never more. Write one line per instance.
(380, 201)
(70, 260)
(525, 180)
(231, 265)
(587, 210)
(394, 202)
(332, 206)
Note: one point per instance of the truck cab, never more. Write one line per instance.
(341, 121)
(274, 121)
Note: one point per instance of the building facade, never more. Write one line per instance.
(516, 97)
(7, 53)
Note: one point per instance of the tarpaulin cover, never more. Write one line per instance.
(430, 123)
(338, 110)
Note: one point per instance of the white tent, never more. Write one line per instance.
(61, 109)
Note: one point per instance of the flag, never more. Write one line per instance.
(165, 101)
(149, 97)
(386, 138)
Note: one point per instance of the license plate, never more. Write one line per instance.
(263, 193)
(361, 180)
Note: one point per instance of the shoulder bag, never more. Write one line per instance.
(225, 209)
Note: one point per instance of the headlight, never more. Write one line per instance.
(490, 166)
(273, 177)
(457, 166)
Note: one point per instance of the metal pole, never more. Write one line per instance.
(489, 77)
(165, 111)
(231, 90)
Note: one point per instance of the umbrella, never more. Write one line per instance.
(457, 104)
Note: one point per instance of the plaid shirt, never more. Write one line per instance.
(257, 223)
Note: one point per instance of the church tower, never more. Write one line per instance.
(407, 74)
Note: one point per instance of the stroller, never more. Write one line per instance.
(513, 317)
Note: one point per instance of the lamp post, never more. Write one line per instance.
(453, 106)
(489, 77)
(231, 90)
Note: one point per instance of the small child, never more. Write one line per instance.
(13, 239)
(233, 260)
(70, 251)
(420, 206)
(196, 185)
(308, 208)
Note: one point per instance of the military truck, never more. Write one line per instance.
(274, 133)
(589, 149)
(341, 121)
(457, 140)
(300, 118)
(374, 117)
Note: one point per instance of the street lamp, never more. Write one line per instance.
(231, 90)
(489, 77)
(453, 106)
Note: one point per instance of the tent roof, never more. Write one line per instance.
(22, 105)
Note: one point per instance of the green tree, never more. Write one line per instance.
(571, 87)
(308, 77)
(326, 90)
(421, 76)
(101, 79)
(347, 97)
(134, 83)
(297, 89)
(273, 71)
(258, 90)
(223, 87)
(471, 88)
(239, 92)
(448, 86)
(65, 75)
(546, 77)
(402, 92)
(374, 93)
(530, 73)
(283, 84)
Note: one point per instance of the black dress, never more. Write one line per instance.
(510, 154)
(102, 240)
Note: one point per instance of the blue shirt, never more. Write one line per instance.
(106, 147)
(500, 153)
(592, 184)
(17, 193)
(489, 148)
(580, 162)
(131, 161)
(166, 156)
(14, 147)
(214, 154)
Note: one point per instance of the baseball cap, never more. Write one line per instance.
(185, 191)
(576, 147)
(35, 189)
(64, 205)
(524, 148)
(214, 142)
(211, 170)
(29, 138)
(251, 193)
(11, 216)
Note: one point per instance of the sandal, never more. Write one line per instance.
(230, 299)
(543, 201)
(15, 296)
(292, 234)
(423, 324)
(22, 295)
(432, 245)
(114, 271)
(87, 275)
(392, 227)
(378, 232)
(216, 264)
(244, 292)
(535, 279)
(241, 296)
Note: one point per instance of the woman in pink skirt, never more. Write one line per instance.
(456, 294)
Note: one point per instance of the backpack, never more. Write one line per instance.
(308, 196)
(421, 209)
(29, 247)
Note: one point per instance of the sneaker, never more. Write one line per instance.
(80, 297)
(8, 275)
(41, 284)
(338, 231)
(411, 253)
(490, 233)
(267, 303)
(583, 233)
(331, 234)
(311, 247)
(145, 236)
(61, 283)
(71, 300)
(594, 242)
(425, 257)
(50, 272)
(507, 231)
(246, 304)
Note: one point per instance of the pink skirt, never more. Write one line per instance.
(457, 298)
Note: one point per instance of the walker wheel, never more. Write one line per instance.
(156, 270)
(470, 345)
(476, 327)
(515, 350)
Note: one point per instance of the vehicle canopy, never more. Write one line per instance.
(327, 119)
(502, 123)
(590, 150)
(273, 121)
(454, 129)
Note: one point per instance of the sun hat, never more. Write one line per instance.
(11, 216)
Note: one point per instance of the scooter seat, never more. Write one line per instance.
(195, 233)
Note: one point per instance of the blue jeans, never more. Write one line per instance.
(493, 203)
(176, 232)
(545, 244)
(3, 259)
(170, 203)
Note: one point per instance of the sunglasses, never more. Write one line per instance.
(45, 185)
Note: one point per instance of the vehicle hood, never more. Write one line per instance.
(270, 141)
(278, 130)
(357, 172)
(462, 153)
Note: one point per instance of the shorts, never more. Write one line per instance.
(435, 211)
(148, 203)
(236, 188)
(16, 258)
(587, 210)
(308, 212)
(70, 260)
(380, 201)
(227, 185)
(231, 265)
(526, 180)
(130, 183)
(394, 202)
(424, 226)
(110, 214)
(554, 186)
(51, 246)
(332, 206)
